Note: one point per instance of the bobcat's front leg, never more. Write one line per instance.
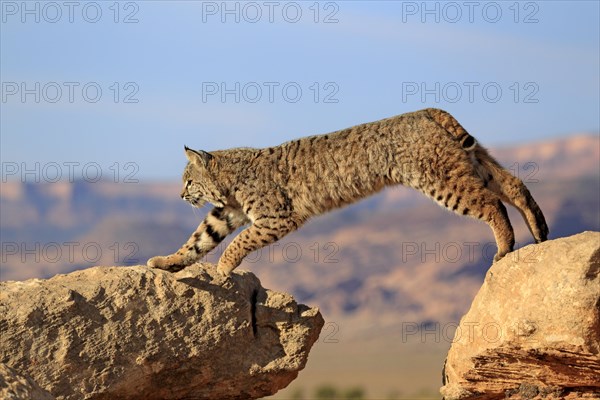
(219, 223)
(260, 234)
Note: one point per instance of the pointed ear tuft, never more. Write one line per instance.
(199, 157)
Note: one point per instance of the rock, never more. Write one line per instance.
(16, 386)
(533, 330)
(139, 333)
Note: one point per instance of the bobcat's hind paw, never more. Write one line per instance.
(164, 263)
(499, 257)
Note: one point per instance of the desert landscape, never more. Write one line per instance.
(391, 275)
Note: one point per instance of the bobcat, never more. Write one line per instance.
(277, 189)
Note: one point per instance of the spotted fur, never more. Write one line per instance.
(275, 190)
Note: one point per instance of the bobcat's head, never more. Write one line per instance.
(199, 184)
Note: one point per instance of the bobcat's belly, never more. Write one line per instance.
(332, 195)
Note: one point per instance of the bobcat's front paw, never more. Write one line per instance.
(223, 271)
(166, 263)
(223, 276)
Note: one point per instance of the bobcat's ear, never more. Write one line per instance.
(199, 157)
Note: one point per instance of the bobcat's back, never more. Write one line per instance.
(319, 173)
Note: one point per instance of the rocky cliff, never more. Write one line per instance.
(533, 330)
(15, 385)
(137, 333)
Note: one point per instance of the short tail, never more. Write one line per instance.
(451, 125)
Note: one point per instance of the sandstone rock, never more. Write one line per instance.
(138, 333)
(533, 330)
(16, 386)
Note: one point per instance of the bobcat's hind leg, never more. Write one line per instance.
(497, 219)
(219, 223)
(512, 190)
(468, 196)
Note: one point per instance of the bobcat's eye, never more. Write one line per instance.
(188, 183)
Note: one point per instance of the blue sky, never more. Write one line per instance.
(509, 71)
